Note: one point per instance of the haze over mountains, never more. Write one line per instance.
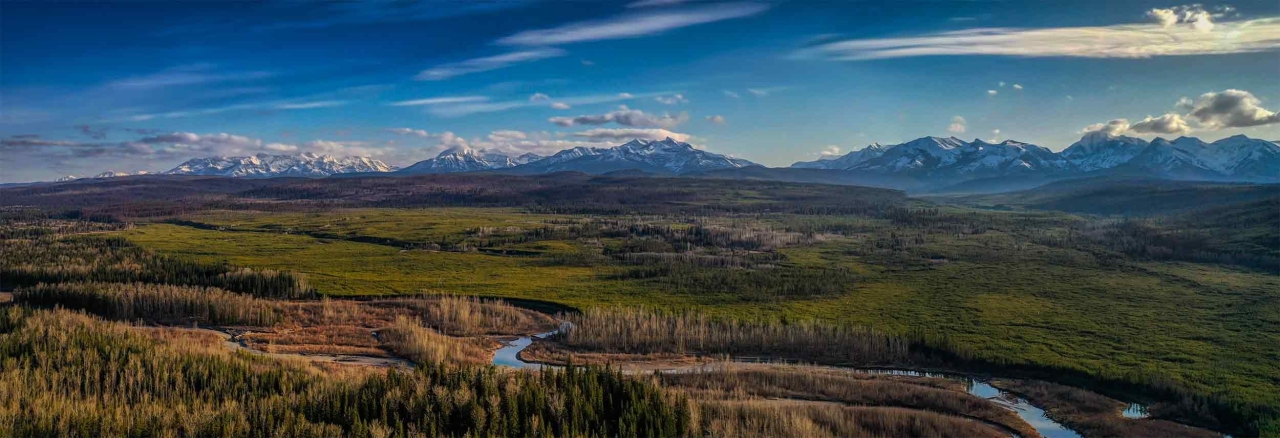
(924, 164)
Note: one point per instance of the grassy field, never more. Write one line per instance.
(996, 294)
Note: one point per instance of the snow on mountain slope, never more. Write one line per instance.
(1234, 158)
(114, 174)
(845, 161)
(265, 166)
(952, 159)
(666, 156)
(463, 159)
(1099, 150)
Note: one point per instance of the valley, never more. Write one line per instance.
(804, 274)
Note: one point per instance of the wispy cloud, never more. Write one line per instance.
(616, 134)
(187, 75)
(409, 131)
(463, 109)
(626, 117)
(1118, 41)
(633, 25)
(476, 65)
(440, 100)
(654, 3)
(311, 105)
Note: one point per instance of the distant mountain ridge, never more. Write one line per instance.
(266, 166)
(662, 157)
(938, 162)
(927, 164)
(464, 159)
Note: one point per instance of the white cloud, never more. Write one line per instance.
(716, 119)
(1166, 124)
(187, 145)
(1116, 41)
(732, 94)
(995, 135)
(615, 134)
(281, 147)
(632, 25)
(992, 92)
(409, 131)
(672, 99)
(1001, 84)
(539, 97)
(1228, 109)
(626, 117)
(1210, 112)
(1017, 87)
(758, 92)
(1114, 127)
(476, 65)
(466, 108)
(440, 100)
(958, 125)
(1194, 15)
(344, 148)
(515, 143)
(311, 105)
(830, 151)
(187, 75)
(653, 3)
(1165, 17)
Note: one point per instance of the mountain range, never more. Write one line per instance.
(662, 157)
(934, 163)
(927, 164)
(464, 159)
(264, 165)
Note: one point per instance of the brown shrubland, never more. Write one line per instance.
(761, 418)
(409, 339)
(154, 302)
(643, 331)
(942, 396)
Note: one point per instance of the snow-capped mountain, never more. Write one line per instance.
(266, 166)
(666, 157)
(844, 161)
(1099, 150)
(114, 174)
(954, 159)
(937, 162)
(463, 159)
(1237, 158)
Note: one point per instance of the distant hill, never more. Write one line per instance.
(1124, 196)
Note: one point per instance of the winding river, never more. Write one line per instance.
(509, 356)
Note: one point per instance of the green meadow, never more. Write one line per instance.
(997, 294)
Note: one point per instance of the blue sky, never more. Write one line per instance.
(133, 86)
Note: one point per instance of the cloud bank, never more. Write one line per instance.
(626, 117)
(1118, 41)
